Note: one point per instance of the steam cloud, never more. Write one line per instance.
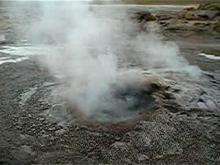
(94, 49)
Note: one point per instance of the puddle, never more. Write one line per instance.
(27, 50)
(123, 103)
(4, 58)
(8, 60)
(210, 56)
(128, 104)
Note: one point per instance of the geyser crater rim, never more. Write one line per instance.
(137, 99)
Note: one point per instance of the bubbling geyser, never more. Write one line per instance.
(93, 44)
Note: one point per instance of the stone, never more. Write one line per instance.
(211, 105)
(209, 6)
(142, 158)
(202, 105)
(27, 149)
(206, 14)
(190, 16)
(144, 16)
(2, 38)
(216, 27)
(162, 17)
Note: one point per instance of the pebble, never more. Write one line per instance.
(142, 158)
(60, 132)
(211, 105)
(202, 105)
(52, 128)
(27, 149)
(2, 38)
(41, 119)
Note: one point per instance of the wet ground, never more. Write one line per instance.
(38, 128)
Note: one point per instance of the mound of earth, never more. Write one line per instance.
(203, 19)
(171, 134)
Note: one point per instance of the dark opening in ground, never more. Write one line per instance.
(126, 103)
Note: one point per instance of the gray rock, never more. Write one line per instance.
(207, 14)
(202, 105)
(142, 158)
(2, 38)
(211, 105)
(27, 149)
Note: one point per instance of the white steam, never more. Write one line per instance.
(91, 46)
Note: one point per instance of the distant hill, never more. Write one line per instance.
(153, 1)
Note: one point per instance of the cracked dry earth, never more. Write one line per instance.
(178, 131)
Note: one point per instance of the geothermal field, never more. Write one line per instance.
(83, 82)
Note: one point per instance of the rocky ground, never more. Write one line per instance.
(183, 127)
(170, 134)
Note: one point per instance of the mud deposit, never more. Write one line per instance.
(173, 117)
